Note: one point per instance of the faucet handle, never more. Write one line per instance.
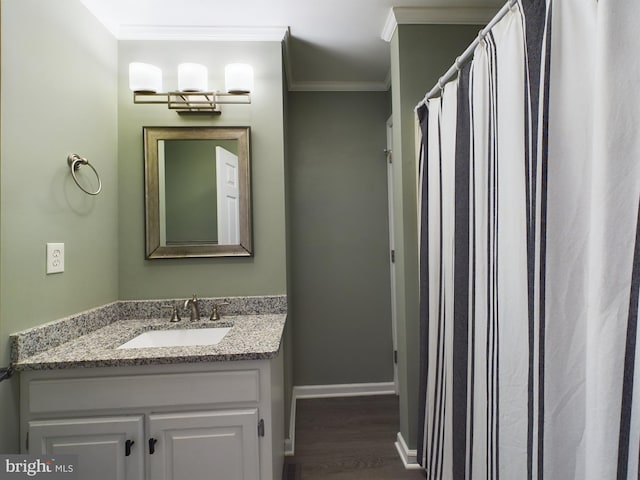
(175, 315)
(214, 312)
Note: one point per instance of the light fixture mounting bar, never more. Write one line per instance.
(192, 102)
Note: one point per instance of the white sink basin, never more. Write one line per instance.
(177, 338)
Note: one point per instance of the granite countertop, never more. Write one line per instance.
(253, 336)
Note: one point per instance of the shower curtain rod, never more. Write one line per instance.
(466, 55)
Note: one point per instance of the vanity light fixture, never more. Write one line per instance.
(193, 77)
(193, 94)
(238, 78)
(144, 77)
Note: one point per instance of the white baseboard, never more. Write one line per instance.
(327, 391)
(408, 457)
(290, 443)
(344, 390)
(288, 447)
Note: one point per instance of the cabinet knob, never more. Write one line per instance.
(127, 447)
(152, 446)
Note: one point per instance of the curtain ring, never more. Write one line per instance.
(75, 161)
(458, 64)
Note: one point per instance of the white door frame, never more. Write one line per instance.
(392, 266)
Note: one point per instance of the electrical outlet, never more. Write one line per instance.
(55, 258)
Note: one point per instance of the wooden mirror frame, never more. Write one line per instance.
(154, 249)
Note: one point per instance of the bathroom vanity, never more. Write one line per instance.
(172, 412)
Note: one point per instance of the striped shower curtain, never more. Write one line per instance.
(530, 251)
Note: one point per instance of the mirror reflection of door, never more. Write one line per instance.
(228, 197)
(199, 192)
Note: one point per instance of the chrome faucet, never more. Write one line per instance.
(194, 308)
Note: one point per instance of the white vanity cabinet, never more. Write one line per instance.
(103, 445)
(200, 421)
(216, 444)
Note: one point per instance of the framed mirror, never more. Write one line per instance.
(197, 191)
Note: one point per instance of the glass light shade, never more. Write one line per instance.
(144, 77)
(192, 77)
(238, 78)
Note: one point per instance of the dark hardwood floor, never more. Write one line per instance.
(349, 439)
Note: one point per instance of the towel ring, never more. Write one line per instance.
(75, 161)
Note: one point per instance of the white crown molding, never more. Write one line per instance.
(201, 33)
(390, 26)
(435, 16)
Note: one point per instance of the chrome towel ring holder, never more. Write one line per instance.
(75, 161)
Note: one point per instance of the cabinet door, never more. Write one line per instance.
(100, 443)
(216, 445)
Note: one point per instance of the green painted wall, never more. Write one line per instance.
(339, 237)
(190, 191)
(265, 272)
(420, 54)
(58, 96)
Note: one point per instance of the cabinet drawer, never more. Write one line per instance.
(143, 391)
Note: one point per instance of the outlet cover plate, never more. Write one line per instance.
(55, 258)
